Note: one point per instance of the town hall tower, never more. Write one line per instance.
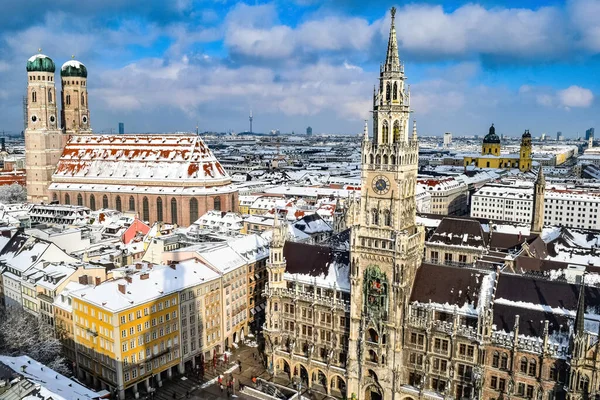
(386, 243)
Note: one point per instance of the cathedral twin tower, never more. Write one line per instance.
(45, 137)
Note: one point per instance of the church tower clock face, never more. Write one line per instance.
(381, 184)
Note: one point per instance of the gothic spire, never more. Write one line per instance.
(366, 131)
(392, 60)
(580, 316)
(540, 180)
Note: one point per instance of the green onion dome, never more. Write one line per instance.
(40, 63)
(73, 68)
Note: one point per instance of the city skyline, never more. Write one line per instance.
(527, 65)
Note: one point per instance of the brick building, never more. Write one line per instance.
(168, 178)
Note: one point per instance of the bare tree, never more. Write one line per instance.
(14, 193)
(23, 334)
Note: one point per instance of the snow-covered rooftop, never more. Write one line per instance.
(151, 159)
(147, 285)
(52, 384)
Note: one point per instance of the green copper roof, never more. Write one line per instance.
(41, 63)
(73, 68)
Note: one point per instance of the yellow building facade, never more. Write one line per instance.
(491, 156)
(128, 331)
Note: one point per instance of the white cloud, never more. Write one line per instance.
(474, 30)
(576, 96)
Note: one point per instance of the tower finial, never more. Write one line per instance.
(72, 56)
(393, 12)
(39, 50)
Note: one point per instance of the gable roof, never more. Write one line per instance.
(151, 159)
(459, 232)
(447, 285)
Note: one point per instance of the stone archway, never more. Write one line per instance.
(337, 386)
(319, 380)
(285, 367)
(373, 392)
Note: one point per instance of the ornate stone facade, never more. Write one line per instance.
(386, 245)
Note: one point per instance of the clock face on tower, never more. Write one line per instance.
(381, 184)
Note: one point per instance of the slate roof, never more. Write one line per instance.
(538, 291)
(459, 232)
(311, 259)
(531, 322)
(443, 284)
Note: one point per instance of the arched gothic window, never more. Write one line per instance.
(387, 218)
(217, 205)
(173, 210)
(159, 209)
(54, 197)
(67, 199)
(193, 210)
(92, 202)
(68, 99)
(496, 360)
(385, 132)
(393, 158)
(374, 217)
(145, 209)
(79, 199)
(105, 201)
(131, 203)
(371, 159)
(396, 131)
(49, 96)
(395, 91)
(82, 100)
(385, 159)
(387, 91)
(118, 205)
(33, 97)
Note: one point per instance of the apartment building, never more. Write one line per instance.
(128, 331)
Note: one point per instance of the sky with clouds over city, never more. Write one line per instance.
(169, 65)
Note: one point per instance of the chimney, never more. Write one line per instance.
(138, 265)
(83, 280)
(98, 280)
(150, 265)
(122, 288)
(173, 265)
(128, 279)
(144, 276)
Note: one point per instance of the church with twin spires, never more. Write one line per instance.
(173, 178)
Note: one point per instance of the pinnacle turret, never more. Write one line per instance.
(414, 133)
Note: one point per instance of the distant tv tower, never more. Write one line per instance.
(250, 121)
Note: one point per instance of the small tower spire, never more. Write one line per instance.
(540, 177)
(414, 135)
(366, 131)
(392, 60)
(539, 190)
(580, 316)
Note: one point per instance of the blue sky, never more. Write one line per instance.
(165, 66)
